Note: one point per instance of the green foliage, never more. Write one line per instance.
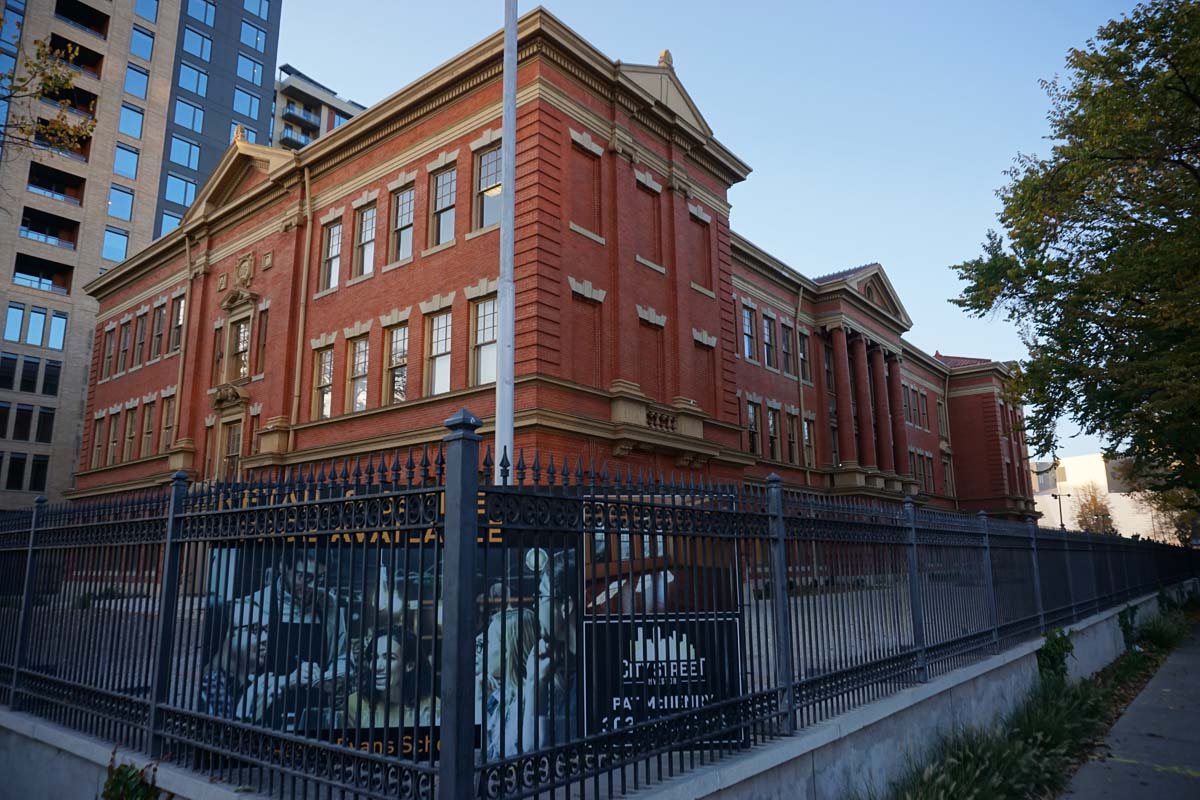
(1165, 631)
(127, 782)
(1098, 269)
(1126, 619)
(1053, 654)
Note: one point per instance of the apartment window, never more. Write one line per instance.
(16, 472)
(768, 329)
(947, 477)
(123, 348)
(484, 355)
(168, 222)
(50, 378)
(184, 153)
(402, 228)
(45, 426)
(924, 411)
(5, 411)
(245, 103)
(253, 36)
(805, 372)
(141, 43)
(202, 10)
(249, 70)
(239, 345)
(29, 373)
(58, 330)
(130, 122)
(785, 346)
(941, 416)
(130, 434)
(97, 443)
(810, 436)
(14, 321)
(339, 119)
(830, 383)
(180, 190)
(749, 346)
(189, 115)
(176, 325)
(8, 370)
(396, 390)
(120, 202)
(912, 463)
(259, 8)
(487, 192)
(156, 332)
(356, 384)
(364, 247)
(444, 187)
(146, 9)
(439, 353)
(106, 364)
(137, 81)
(193, 79)
(752, 430)
(125, 161)
(114, 432)
(260, 358)
(168, 423)
(231, 455)
(37, 326)
(331, 264)
(22, 423)
(793, 445)
(323, 384)
(197, 43)
(218, 357)
(773, 433)
(147, 446)
(139, 340)
(116, 244)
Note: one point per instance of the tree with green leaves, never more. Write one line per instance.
(1099, 266)
(41, 71)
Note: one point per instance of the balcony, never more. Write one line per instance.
(294, 139)
(80, 152)
(82, 16)
(51, 229)
(78, 101)
(86, 62)
(55, 184)
(296, 113)
(43, 274)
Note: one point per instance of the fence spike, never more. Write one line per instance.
(504, 467)
(520, 466)
(537, 467)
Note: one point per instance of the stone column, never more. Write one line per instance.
(841, 383)
(866, 415)
(896, 400)
(883, 414)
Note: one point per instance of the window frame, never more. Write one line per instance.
(434, 358)
(146, 446)
(404, 200)
(140, 324)
(322, 402)
(167, 426)
(331, 262)
(237, 365)
(749, 334)
(175, 342)
(787, 337)
(481, 347)
(437, 212)
(141, 74)
(254, 100)
(395, 364)
(358, 373)
(770, 351)
(753, 428)
(483, 169)
(366, 222)
(206, 44)
(137, 31)
(137, 157)
(259, 35)
(774, 451)
(134, 111)
(195, 111)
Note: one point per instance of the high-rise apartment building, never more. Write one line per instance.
(167, 82)
(305, 109)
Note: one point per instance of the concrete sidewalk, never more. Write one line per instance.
(1153, 750)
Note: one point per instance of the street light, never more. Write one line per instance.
(1061, 523)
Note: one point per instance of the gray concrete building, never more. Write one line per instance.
(167, 82)
(305, 109)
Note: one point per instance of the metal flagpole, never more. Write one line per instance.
(506, 293)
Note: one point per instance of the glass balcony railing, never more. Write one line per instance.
(38, 236)
(53, 195)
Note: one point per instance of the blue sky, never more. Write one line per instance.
(877, 131)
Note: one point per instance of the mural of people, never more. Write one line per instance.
(396, 685)
(241, 653)
(511, 637)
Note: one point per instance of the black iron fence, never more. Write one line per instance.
(404, 625)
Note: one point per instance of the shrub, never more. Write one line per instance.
(127, 782)
(1126, 619)
(1165, 630)
(1053, 654)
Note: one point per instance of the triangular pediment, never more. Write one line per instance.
(244, 167)
(873, 284)
(662, 85)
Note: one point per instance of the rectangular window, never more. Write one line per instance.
(14, 321)
(16, 472)
(802, 349)
(36, 329)
(924, 411)
(114, 432)
(116, 244)
(259, 8)
(439, 353)
(444, 187)
(830, 383)
(339, 119)
(487, 192)
(323, 384)
(749, 344)
(97, 443)
(752, 429)
(787, 336)
(396, 389)
(130, 122)
(8, 370)
(29, 373)
(912, 463)
(50, 378)
(218, 357)
(125, 161)
(106, 364)
(773, 434)
(130, 434)
(260, 358)
(249, 70)
(22, 423)
(58, 330)
(139, 340)
(176, 325)
(941, 416)
(202, 10)
(5, 413)
(168, 424)
(141, 43)
(197, 43)
(810, 435)
(146, 9)
(356, 384)
(189, 115)
(231, 451)
(947, 477)
(402, 226)
(184, 153)
(769, 342)
(156, 335)
(137, 81)
(120, 202)
(245, 103)
(793, 444)
(485, 342)
(147, 446)
(193, 79)
(331, 263)
(239, 346)
(253, 36)
(45, 426)
(904, 400)
(168, 222)
(364, 245)
(123, 348)
(180, 190)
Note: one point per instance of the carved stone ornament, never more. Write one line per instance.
(221, 282)
(227, 396)
(245, 270)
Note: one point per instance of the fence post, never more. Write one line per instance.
(1037, 576)
(987, 578)
(1070, 578)
(168, 604)
(456, 766)
(25, 621)
(779, 597)
(915, 596)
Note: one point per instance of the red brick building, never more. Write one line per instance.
(341, 300)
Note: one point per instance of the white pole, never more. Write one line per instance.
(507, 293)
